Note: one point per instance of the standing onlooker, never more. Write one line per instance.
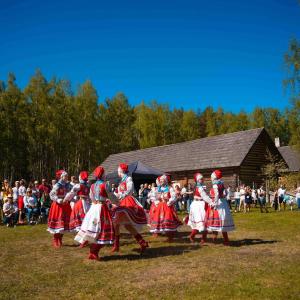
(275, 201)
(45, 202)
(53, 183)
(229, 196)
(237, 196)
(281, 194)
(184, 196)
(36, 191)
(178, 204)
(145, 196)
(22, 194)
(190, 192)
(44, 187)
(141, 193)
(5, 191)
(262, 199)
(298, 197)
(242, 198)
(254, 197)
(15, 191)
(248, 198)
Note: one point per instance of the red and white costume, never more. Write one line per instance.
(21, 195)
(219, 217)
(154, 201)
(198, 208)
(60, 210)
(164, 218)
(82, 205)
(129, 213)
(136, 216)
(97, 226)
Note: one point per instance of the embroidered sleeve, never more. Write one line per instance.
(216, 191)
(130, 187)
(53, 194)
(204, 196)
(70, 195)
(173, 198)
(92, 196)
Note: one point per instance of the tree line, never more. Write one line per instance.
(47, 126)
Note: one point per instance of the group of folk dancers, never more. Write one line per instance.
(96, 221)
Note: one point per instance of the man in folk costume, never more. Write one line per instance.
(198, 209)
(219, 217)
(97, 226)
(80, 191)
(165, 219)
(129, 213)
(60, 210)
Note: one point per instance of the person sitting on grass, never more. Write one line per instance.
(10, 216)
(30, 204)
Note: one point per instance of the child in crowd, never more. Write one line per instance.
(10, 215)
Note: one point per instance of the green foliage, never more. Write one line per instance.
(47, 126)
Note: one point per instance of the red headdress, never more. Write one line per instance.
(217, 174)
(84, 176)
(198, 176)
(98, 172)
(60, 173)
(123, 167)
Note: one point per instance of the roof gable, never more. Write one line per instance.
(291, 157)
(227, 150)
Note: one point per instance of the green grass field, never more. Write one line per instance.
(263, 262)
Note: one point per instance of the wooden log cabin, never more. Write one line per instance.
(239, 155)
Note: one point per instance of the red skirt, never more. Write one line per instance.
(20, 202)
(152, 210)
(212, 218)
(107, 234)
(164, 219)
(77, 216)
(97, 226)
(133, 209)
(59, 217)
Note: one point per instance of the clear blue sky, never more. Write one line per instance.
(188, 53)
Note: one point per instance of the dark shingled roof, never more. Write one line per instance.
(226, 150)
(292, 158)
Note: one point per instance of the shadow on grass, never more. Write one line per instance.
(152, 253)
(179, 237)
(249, 242)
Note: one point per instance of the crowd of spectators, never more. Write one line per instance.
(30, 203)
(241, 199)
(25, 203)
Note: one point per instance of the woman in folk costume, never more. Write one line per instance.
(82, 205)
(129, 213)
(97, 226)
(219, 218)
(154, 201)
(60, 210)
(165, 218)
(198, 209)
